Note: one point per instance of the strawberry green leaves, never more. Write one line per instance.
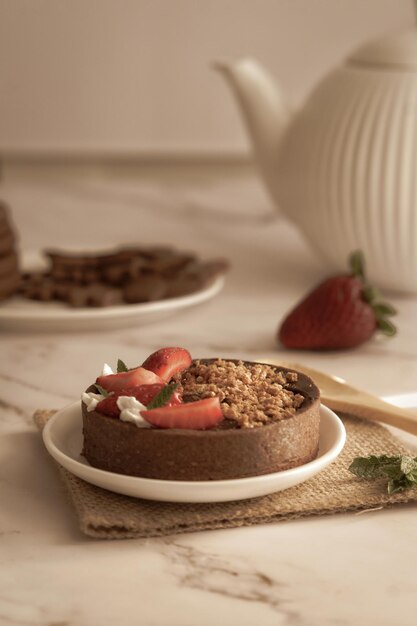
(401, 471)
(357, 264)
(382, 310)
(386, 327)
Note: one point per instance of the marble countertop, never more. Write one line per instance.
(337, 570)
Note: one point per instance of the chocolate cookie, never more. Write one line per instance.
(9, 285)
(9, 264)
(125, 275)
(9, 261)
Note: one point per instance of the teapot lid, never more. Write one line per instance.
(393, 51)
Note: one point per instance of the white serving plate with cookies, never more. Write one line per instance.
(19, 314)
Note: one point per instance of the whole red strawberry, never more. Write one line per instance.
(341, 312)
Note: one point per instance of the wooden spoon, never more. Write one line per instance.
(339, 396)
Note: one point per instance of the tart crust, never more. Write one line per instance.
(201, 455)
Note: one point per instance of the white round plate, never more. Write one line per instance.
(20, 314)
(62, 436)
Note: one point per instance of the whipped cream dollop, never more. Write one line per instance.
(129, 406)
(130, 409)
(107, 370)
(91, 400)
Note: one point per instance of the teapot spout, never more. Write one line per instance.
(264, 111)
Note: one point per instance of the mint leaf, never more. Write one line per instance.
(393, 486)
(401, 471)
(408, 466)
(162, 397)
(399, 484)
(372, 466)
(103, 391)
(121, 366)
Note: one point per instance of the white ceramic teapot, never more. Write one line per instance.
(344, 167)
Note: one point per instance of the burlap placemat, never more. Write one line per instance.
(106, 515)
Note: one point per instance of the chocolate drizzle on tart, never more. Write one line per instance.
(271, 424)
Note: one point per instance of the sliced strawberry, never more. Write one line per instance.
(143, 393)
(146, 393)
(199, 415)
(168, 361)
(131, 378)
(108, 406)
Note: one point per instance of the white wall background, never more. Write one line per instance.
(133, 76)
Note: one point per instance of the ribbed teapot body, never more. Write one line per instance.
(347, 172)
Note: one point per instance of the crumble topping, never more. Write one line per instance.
(251, 395)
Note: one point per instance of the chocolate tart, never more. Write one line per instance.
(199, 455)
